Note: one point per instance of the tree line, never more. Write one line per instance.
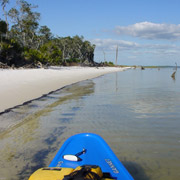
(23, 41)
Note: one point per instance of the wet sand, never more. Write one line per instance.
(20, 86)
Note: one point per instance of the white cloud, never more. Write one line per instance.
(162, 49)
(149, 30)
(110, 44)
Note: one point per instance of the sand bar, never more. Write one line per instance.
(19, 86)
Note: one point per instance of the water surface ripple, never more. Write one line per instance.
(136, 112)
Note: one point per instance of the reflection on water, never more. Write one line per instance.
(136, 112)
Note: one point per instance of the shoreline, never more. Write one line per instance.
(23, 85)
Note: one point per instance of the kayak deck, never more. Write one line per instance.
(92, 150)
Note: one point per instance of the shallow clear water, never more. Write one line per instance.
(136, 112)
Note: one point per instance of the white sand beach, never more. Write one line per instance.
(19, 86)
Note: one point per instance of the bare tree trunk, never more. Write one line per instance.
(63, 52)
(174, 73)
(104, 56)
(116, 54)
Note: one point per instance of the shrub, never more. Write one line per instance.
(32, 55)
(51, 53)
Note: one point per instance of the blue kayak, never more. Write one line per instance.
(87, 149)
(97, 153)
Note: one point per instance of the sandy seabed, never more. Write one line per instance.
(19, 86)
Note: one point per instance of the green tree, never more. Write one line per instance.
(11, 53)
(27, 42)
(3, 30)
(75, 49)
(3, 4)
(64, 44)
(44, 35)
(25, 23)
(88, 51)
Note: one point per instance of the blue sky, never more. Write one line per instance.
(147, 32)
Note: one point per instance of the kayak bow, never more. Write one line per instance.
(79, 154)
